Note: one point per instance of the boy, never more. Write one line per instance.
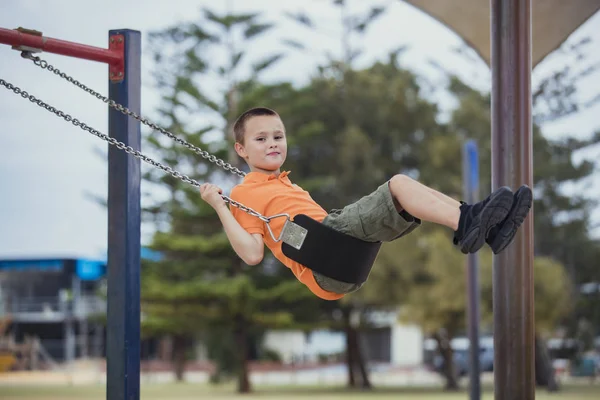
(391, 211)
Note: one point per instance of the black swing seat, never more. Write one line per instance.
(332, 253)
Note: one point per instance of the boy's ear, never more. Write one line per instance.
(239, 149)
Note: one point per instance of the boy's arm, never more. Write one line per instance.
(249, 247)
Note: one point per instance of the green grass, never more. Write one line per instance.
(195, 391)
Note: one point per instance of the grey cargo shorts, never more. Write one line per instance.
(373, 218)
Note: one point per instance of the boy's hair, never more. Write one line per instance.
(239, 126)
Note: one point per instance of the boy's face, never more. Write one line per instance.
(265, 146)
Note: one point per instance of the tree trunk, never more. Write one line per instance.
(544, 372)
(350, 354)
(179, 356)
(447, 354)
(165, 348)
(366, 383)
(241, 339)
(357, 372)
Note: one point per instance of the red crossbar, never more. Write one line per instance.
(23, 39)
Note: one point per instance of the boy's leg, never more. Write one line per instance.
(470, 223)
(444, 198)
(422, 202)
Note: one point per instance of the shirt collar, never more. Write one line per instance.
(257, 177)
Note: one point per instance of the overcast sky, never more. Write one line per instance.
(47, 166)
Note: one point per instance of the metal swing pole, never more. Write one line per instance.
(512, 165)
(124, 210)
(124, 220)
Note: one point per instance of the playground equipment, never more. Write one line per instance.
(7, 358)
(28, 354)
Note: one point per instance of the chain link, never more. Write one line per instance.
(111, 103)
(124, 147)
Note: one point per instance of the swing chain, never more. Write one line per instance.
(130, 150)
(111, 103)
(291, 233)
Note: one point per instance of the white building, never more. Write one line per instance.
(387, 341)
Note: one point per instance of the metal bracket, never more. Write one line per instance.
(293, 234)
(116, 72)
(28, 48)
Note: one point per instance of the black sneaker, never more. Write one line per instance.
(504, 233)
(478, 219)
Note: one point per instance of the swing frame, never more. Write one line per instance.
(123, 57)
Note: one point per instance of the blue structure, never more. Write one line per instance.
(58, 300)
(54, 299)
(471, 195)
(85, 269)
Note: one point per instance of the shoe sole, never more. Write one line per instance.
(492, 214)
(516, 216)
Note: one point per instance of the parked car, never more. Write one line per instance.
(462, 364)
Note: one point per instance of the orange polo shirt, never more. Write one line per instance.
(275, 194)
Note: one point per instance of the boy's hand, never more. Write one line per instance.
(212, 195)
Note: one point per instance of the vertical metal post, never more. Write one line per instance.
(73, 306)
(514, 373)
(66, 305)
(471, 195)
(83, 338)
(123, 326)
(69, 342)
(98, 350)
